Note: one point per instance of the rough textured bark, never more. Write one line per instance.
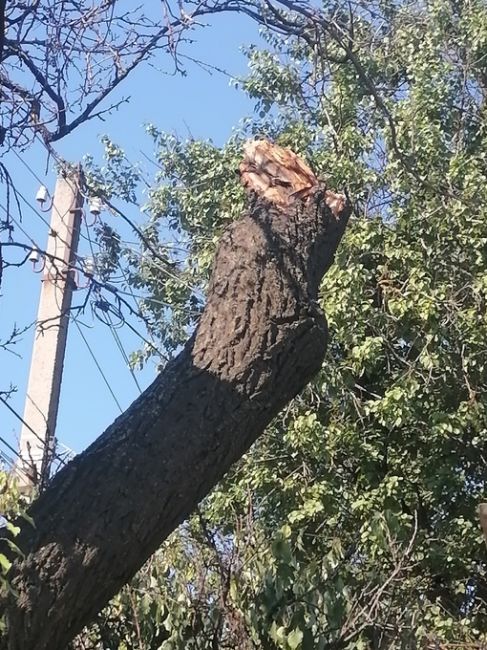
(261, 338)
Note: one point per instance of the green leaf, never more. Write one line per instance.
(4, 563)
(294, 638)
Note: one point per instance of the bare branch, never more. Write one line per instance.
(61, 61)
(2, 27)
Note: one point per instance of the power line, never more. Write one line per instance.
(7, 459)
(97, 364)
(76, 186)
(164, 268)
(113, 332)
(122, 351)
(44, 220)
(12, 465)
(21, 419)
(130, 293)
(61, 219)
(19, 226)
(127, 283)
(27, 166)
(9, 447)
(136, 298)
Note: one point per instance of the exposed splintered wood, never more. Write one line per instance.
(280, 176)
(261, 338)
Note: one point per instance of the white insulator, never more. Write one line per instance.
(42, 194)
(34, 256)
(89, 266)
(95, 205)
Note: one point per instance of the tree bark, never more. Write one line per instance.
(3, 4)
(260, 339)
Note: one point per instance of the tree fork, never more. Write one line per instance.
(260, 339)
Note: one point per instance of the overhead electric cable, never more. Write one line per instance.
(97, 365)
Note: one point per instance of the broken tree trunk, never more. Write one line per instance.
(261, 338)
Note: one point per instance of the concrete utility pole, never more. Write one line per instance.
(37, 440)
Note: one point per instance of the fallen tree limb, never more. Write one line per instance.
(261, 338)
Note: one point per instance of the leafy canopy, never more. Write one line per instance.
(352, 523)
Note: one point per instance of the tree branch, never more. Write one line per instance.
(259, 341)
(3, 4)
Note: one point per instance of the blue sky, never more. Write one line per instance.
(203, 105)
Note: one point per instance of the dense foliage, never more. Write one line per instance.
(12, 509)
(353, 522)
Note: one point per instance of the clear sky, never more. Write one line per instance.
(205, 106)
